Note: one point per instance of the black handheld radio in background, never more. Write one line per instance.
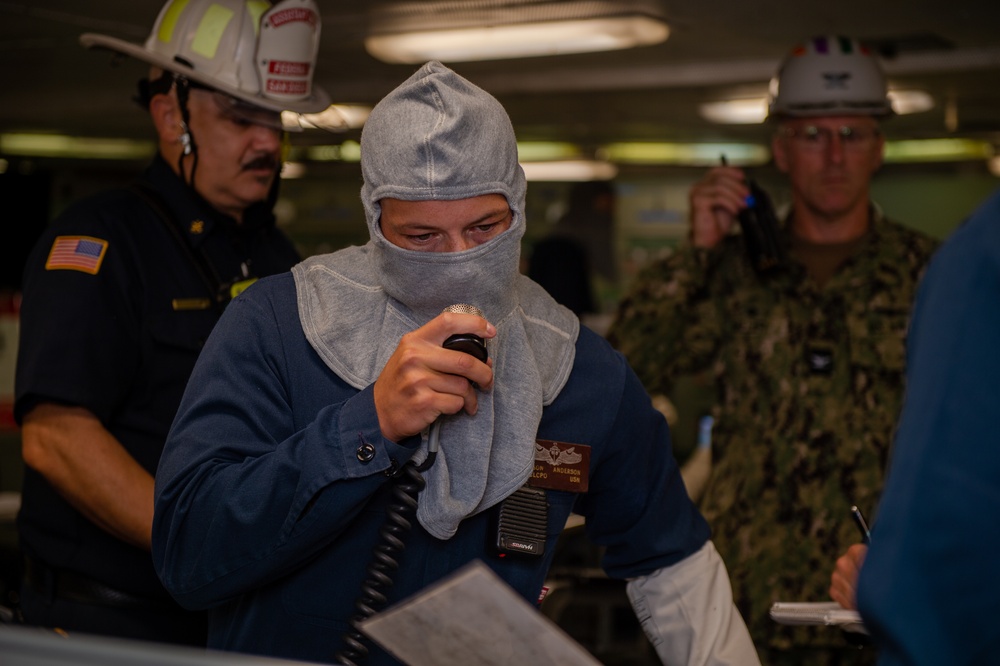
(760, 229)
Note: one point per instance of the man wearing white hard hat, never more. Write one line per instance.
(124, 288)
(806, 349)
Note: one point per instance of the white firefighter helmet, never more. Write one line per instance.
(829, 76)
(257, 53)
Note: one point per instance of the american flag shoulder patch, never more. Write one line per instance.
(77, 253)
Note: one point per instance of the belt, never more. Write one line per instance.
(71, 586)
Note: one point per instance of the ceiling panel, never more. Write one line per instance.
(716, 48)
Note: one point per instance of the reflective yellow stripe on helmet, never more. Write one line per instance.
(169, 22)
(211, 30)
(256, 9)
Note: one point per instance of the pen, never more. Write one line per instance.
(866, 535)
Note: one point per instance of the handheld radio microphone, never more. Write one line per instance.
(467, 342)
(464, 342)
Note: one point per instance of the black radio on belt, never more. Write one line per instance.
(520, 522)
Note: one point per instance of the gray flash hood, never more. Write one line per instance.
(439, 137)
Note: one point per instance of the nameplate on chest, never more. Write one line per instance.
(561, 466)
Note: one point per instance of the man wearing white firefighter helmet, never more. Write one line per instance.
(124, 288)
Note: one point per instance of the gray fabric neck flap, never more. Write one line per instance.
(355, 326)
(439, 137)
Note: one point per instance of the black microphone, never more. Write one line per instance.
(467, 342)
(464, 342)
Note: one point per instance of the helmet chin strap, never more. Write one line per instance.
(183, 88)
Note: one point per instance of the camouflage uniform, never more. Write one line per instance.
(808, 385)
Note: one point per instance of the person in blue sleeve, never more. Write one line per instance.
(319, 387)
(121, 293)
(929, 588)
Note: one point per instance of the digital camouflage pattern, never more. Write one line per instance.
(808, 385)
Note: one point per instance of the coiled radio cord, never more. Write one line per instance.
(408, 483)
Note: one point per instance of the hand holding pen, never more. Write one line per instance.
(844, 580)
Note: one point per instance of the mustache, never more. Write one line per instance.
(265, 161)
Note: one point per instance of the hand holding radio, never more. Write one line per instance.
(715, 202)
(760, 231)
(435, 370)
(727, 195)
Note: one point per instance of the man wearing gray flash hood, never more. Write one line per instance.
(318, 386)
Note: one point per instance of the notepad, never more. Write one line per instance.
(828, 613)
(472, 617)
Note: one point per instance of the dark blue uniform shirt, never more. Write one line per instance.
(121, 341)
(268, 507)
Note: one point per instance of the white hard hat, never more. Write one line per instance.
(829, 76)
(256, 53)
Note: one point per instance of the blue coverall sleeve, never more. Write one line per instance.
(652, 512)
(636, 506)
(928, 590)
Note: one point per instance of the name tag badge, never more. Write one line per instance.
(561, 466)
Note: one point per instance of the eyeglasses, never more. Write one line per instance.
(244, 113)
(813, 138)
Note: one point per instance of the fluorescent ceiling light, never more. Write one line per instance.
(569, 171)
(745, 111)
(753, 110)
(59, 145)
(292, 170)
(910, 101)
(528, 151)
(517, 41)
(937, 150)
(687, 154)
(414, 32)
(335, 118)
(348, 151)
(543, 151)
